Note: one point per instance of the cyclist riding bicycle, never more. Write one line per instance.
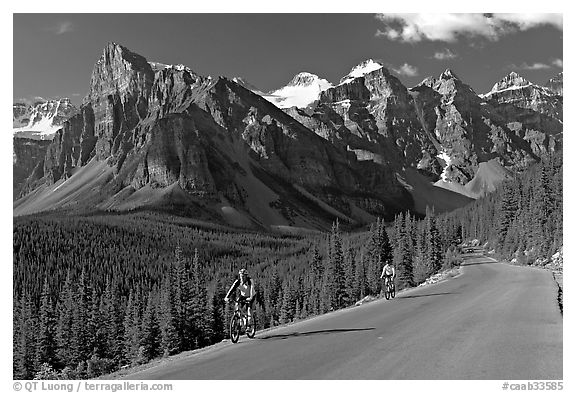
(247, 293)
(388, 272)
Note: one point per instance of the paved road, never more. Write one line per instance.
(494, 321)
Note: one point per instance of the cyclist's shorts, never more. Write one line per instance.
(244, 300)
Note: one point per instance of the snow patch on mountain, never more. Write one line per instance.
(447, 160)
(303, 89)
(43, 119)
(361, 69)
(510, 82)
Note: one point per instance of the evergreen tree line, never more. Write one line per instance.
(92, 316)
(522, 218)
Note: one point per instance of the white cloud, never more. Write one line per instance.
(558, 63)
(445, 54)
(449, 27)
(535, 66)
(530, 67)
(63, 27)
(406, 70)
(528, 21)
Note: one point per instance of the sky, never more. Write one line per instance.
(54, 54)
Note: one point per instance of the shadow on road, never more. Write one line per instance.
(312, 333)
(430, 294)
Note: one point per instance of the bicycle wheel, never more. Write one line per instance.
(393, 291)
(234, 328)
(387, 292)
(251, 328)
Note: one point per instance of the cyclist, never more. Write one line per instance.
(247, 293)
(388, 272)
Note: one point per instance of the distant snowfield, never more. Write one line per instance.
(360, 70)
(43, 128)
(299, 95)
(305, 88)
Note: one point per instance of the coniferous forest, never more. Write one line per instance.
(522, 219)
(95, 293)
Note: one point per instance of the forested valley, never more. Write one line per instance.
(96, 293)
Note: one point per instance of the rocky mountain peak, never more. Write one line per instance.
(366, 67)
(448, 74)
(118, 69)
(449, 84)
(512, 80)
(243, 82)
(304, 79)
(555, 84)
(301, 91)
(247, 85)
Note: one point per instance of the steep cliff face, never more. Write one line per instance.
(116, 102)
(378, 112)
(534, 113)
(468, 129)
(119, 90)
(27, 154)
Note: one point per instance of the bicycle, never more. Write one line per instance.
(239, 322)
(389, 289)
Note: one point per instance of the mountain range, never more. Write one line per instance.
(155, 136)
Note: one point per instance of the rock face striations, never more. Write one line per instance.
(163, 136)
(27, 155)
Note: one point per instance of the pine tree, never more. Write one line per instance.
(185, 302)
(335, 284)
(26, 348)
(506, 211)
(97, 335)
(47, 329)
(433, 255)
(150, 336)
(318, 277)
(421, 267)
(402, 258)
(16, 315)
(65, 307)
(287, 311)
(108, 334)
(170, 342)
(360, 282)
(132, 326)
(350, 269)
(199, 302)
(80, 340)
(217, 321)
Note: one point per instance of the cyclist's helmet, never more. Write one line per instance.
(243, 272)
